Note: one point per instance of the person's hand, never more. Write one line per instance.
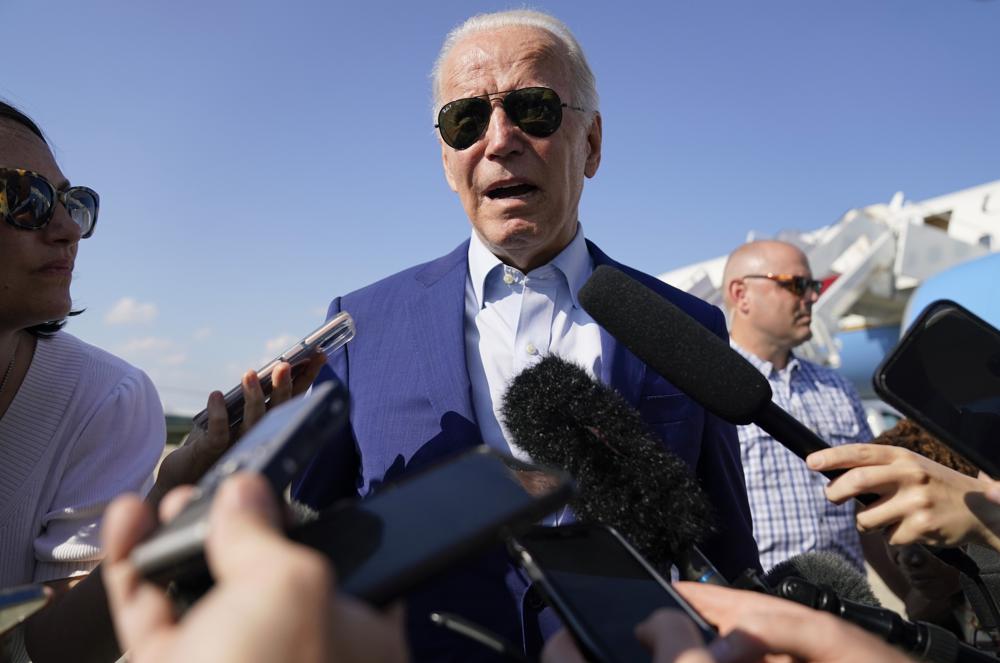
(273, 600)
(755, 626)
(673, 638)
(203, 446)
(670, 635)
(920, 501)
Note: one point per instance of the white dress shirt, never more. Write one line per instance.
(513, 319)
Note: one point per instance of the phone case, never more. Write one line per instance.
(933, 413)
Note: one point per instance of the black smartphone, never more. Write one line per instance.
(600, 586)
(286, 438)
(945, 375)
(384, 546)
(328, 337)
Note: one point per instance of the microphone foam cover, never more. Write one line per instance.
(675, 345)
(826, 569)
(562, 417)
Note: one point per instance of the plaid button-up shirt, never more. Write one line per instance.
(791, 515)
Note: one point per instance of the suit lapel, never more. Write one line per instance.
(438, 330)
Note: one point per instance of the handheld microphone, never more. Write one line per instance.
(679, 348)
(685, 352)
(564, 418)
(927, 641)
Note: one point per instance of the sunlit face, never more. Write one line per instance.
(521, 193)
(775, 314)
(36, 266)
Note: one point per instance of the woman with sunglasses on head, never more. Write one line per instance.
(78, 426)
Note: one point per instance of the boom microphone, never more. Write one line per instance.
(564, 418)
(695, 360)
(703, 366)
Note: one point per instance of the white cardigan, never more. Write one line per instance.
(84, 427)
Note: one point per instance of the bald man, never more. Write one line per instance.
(769, 294)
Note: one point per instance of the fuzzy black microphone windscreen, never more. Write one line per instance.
(562, 417)
(825, 569)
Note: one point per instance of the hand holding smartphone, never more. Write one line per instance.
(945, 375)
(600, 586)
(277, 447)
(327, 338)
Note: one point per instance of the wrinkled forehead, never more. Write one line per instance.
(20, 148)
(504, 59)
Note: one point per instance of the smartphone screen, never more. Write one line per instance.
(382, 547)
(600, 586)
(945, 375)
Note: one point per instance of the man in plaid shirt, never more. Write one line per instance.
(769, 293)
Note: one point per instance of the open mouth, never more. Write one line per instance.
(512, 191)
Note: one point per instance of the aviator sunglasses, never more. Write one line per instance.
(797, 285)
(537, 111)
(27, 201)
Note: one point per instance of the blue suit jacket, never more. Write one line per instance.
(412, 406)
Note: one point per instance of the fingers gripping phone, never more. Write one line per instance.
(282, 442)
(384, 546)
(945, 375)
(327, 338)
(600, 586)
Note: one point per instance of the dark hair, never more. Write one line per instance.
(10, 113)
(909, 435)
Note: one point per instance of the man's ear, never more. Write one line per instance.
(736, 291)
(593, 147)
(447, 152)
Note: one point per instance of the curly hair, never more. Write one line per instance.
(909, 435)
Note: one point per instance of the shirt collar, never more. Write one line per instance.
(574, 262)
(765, 367)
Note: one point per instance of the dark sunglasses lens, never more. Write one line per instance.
(536, 110)
(800, 285)
(81, 203)
(463, 121)
(27, 199)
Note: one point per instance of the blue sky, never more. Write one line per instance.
(257, 158)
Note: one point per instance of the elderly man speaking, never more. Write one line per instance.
(437, 345)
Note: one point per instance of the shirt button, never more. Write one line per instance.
(531, 349)
(508, 278)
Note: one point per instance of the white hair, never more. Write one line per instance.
(582, 83)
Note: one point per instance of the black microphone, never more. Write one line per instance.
(826, 581)
(703, 366)
(695, 360)
(562, 417)
(927, 641)
(825, 569)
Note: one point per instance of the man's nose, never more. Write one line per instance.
(503, 137)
